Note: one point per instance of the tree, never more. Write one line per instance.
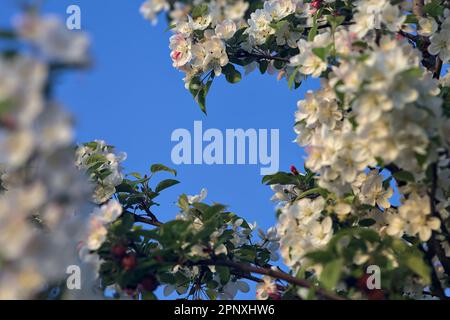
(378, 126)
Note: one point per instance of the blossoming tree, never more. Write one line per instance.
(378, 126)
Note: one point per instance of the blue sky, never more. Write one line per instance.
(133, 98)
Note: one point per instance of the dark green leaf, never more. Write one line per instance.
(160, 167)
(166, 184)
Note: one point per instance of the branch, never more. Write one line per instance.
(149, 213)
(145, 220)
(244, 54)
(437, 68)
(434, 245)
(274, 274)
(436, 287)
(411, 37)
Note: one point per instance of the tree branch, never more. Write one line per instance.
(437, 68)
(274, 274)
(244, 54)
(149, 213)
(145, 220)
(436, 286)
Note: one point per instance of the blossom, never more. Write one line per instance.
(201, 22)
(226, 29)
(151, 8)
(236, 10)
(181, 50)
(104, 157)
(307, 61)
(109, 212)
(259, 26)
(428, 26)
(372, 191)
(97, 234)
(278, 9)
(440, 45)
(198, 198)
(266, 289)
(283, 192)
(392, 17)
(55, 42)
(306, 209)
(216, 56)
(285, 36)
(413, 219)
(302, 228)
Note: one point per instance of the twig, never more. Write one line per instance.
(148, 212)
(436, 286)
(437, 68)
(145, 220)
(243, 54)
(274, 274)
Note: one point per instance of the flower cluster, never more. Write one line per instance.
(103, 165)
(53, 41)
(302, 229)
(393, 117)
(44, 210)
(440, 42)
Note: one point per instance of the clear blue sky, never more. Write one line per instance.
(133, 98)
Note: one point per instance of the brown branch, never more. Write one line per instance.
(411, 37)
(244, 54)
(434, 244)
(145, 220)
(274, 274)
(437, 68)
(436, 286)
(148, 212)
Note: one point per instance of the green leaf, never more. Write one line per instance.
(170, 27)
(224, 273)
(434, 9)
(263, 65)
(404, 176)
(183, 202)
(367, 222)
(331, 273)
(199, 11)
(166, 184)
(213, 210)
(199, 90)
(160, 167)
(335, 21)
(137, 175)
(282, 178)
(313, 31)
(321, 53)
(418, 265)
(124, 187)
(292, 78)
(231, 74)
